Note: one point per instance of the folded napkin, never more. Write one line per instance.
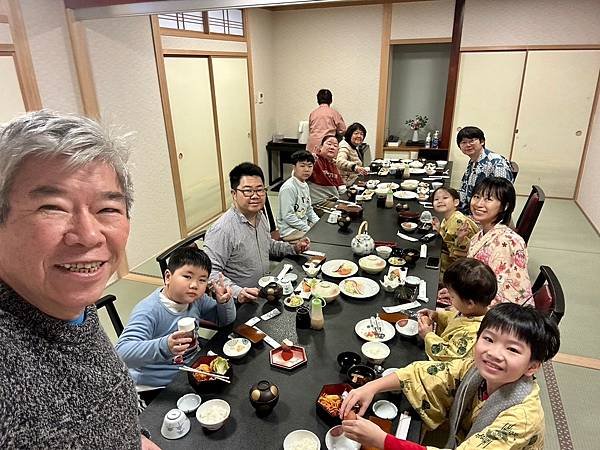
(403, 307)
(405, 237)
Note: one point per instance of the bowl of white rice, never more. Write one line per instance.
(213, 413)
(301, 440)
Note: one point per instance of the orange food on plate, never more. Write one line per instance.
(331, 403)
(344, 269)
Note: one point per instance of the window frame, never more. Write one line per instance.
(206, 34)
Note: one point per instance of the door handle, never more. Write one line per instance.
(578, 133)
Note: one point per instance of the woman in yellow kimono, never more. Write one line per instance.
(472, 286)
(456, 229)
(491, 402)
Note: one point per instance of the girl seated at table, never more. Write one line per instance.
(491, 401)
(454, 244)
(496, 244)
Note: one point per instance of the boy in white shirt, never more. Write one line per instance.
(296, 214)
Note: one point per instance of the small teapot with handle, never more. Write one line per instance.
(362, 243)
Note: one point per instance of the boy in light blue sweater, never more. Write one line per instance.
(296, 214)
(151, 340)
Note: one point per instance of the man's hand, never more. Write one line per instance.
(222, 292)
(248, 295)
(302, 245)
(364, 431)
(147, 444)
(179, 342)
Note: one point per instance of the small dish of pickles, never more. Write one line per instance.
(293, 301)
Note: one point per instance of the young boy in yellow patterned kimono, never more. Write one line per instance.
(491, 402)
(452, 334)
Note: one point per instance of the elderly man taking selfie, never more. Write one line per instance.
(65, 198)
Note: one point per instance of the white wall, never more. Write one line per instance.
(589, 194)
(51, 53)
(124, 69)
(178, 42)
(532, 22)
(418, 20)
(260, 24)
(334, 48)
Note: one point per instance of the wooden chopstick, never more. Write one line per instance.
(213, 375)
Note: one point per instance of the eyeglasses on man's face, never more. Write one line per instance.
(467, 142)
(246, 192)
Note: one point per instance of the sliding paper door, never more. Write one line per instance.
(11, 101)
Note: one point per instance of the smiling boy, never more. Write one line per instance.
(296, 214)
(151, 338)
(491, 401)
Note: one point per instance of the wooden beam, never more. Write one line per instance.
(251, 87)
(201, 35)
(513, 48)
(83, 66)
(7, 48)
(442, 40)
(166, 106)
(452, 83)
(188, 52)
(574, 360)
(23, 61)
(384, 69)
(3, 18)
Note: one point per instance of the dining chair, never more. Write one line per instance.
(108, 302)
(548, 295)
(190, 241)
(530, 213)
(514, 168)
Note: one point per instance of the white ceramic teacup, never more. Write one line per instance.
(441, 163)
(333, 216)
(384, 251)
(175, 424)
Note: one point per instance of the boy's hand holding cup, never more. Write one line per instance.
(184, 338)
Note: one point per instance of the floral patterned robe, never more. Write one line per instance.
(430, 387)
(454, 338)
(505, 252)
(454, 247)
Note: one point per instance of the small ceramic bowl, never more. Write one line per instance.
(407, 327)
(297, 438)
(175, 424)
(409, 227)
(213, 413)
(189, 403)
(436, 184)
(336, 439)
(411, 280)
(262, 282)
(360, 375)
(441, 163)
(236, 348)
(375, 352)
(311, 270)
(384, 251)
(385, 409)
(347, 360)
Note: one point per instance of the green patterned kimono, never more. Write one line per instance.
(454, 338)
(430, 388)
(454, 247)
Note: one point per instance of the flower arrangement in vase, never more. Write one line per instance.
(416, 124)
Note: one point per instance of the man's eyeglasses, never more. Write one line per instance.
(466, 142)
(248, 193)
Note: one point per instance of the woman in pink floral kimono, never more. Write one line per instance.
(496, 244)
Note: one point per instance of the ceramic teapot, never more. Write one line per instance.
(362, 243)
(272, 292)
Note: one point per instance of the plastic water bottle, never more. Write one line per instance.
(435, 143)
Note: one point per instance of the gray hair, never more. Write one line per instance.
(47, 134)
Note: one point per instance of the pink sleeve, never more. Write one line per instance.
(393, 443)
(340, 124)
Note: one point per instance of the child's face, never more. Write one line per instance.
(186, 284)
(303, 170)
(443, 202)
(502, 358)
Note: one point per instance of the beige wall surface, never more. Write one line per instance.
(50, 46)
(124, 70)
(169, 42)
(260, 24)
(418, 20)
(5, 37)
(531, 22)
(334, 48)
(589, 194)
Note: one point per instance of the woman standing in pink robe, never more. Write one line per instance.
(323, 121)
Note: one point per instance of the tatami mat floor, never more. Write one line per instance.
(564, 240)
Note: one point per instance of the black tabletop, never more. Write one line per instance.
(300, 387)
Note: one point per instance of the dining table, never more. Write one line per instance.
(299, 388)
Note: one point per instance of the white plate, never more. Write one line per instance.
(417, 171)
(387, 186)
(329, 268)
(385, 410)
(236, 348)
(287, 303)
(410, 329)
(297, 436)
(368, 287)
(364, 330)
(406, 195)
(262, 282)
(416, 165)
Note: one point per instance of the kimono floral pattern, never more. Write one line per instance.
(430, 387)
(504, 251)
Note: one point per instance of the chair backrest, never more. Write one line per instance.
(514, 168)
(190, 241)
(548, 295)
(530, 213)
(108, 302)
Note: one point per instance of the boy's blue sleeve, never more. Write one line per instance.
(221, 314)
(138, 346)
